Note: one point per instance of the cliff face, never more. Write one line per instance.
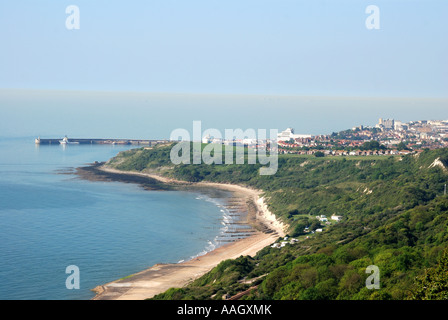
(438, 163)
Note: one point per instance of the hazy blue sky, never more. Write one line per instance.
(229, 63)
(290, 47)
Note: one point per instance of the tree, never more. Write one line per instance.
(402, 146)
(372, 145)
(300, 227)
(433, 285)
(319, 154)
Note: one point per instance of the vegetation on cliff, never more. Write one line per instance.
(394, 216)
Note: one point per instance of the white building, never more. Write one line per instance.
(206, 139)
(385, 123)
(400, 126)
(289, 134)
(336, 218)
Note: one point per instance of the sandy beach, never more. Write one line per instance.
(161, 277)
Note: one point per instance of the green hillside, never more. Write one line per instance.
(394, 216)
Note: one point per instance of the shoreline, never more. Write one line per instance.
(161, 277)
(264, 216)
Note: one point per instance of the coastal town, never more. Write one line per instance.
(387, 137)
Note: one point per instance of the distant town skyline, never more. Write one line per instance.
(387, 137)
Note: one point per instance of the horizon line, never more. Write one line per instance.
(177, 93)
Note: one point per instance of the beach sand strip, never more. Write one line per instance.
(161, 277)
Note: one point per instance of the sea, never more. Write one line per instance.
(50, 219)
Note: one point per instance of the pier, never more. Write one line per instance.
(40, 141)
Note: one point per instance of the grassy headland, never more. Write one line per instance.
(394, 216)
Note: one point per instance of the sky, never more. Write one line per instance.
(291, 47)
(275, 48)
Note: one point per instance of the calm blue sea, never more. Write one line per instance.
(50, 220)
